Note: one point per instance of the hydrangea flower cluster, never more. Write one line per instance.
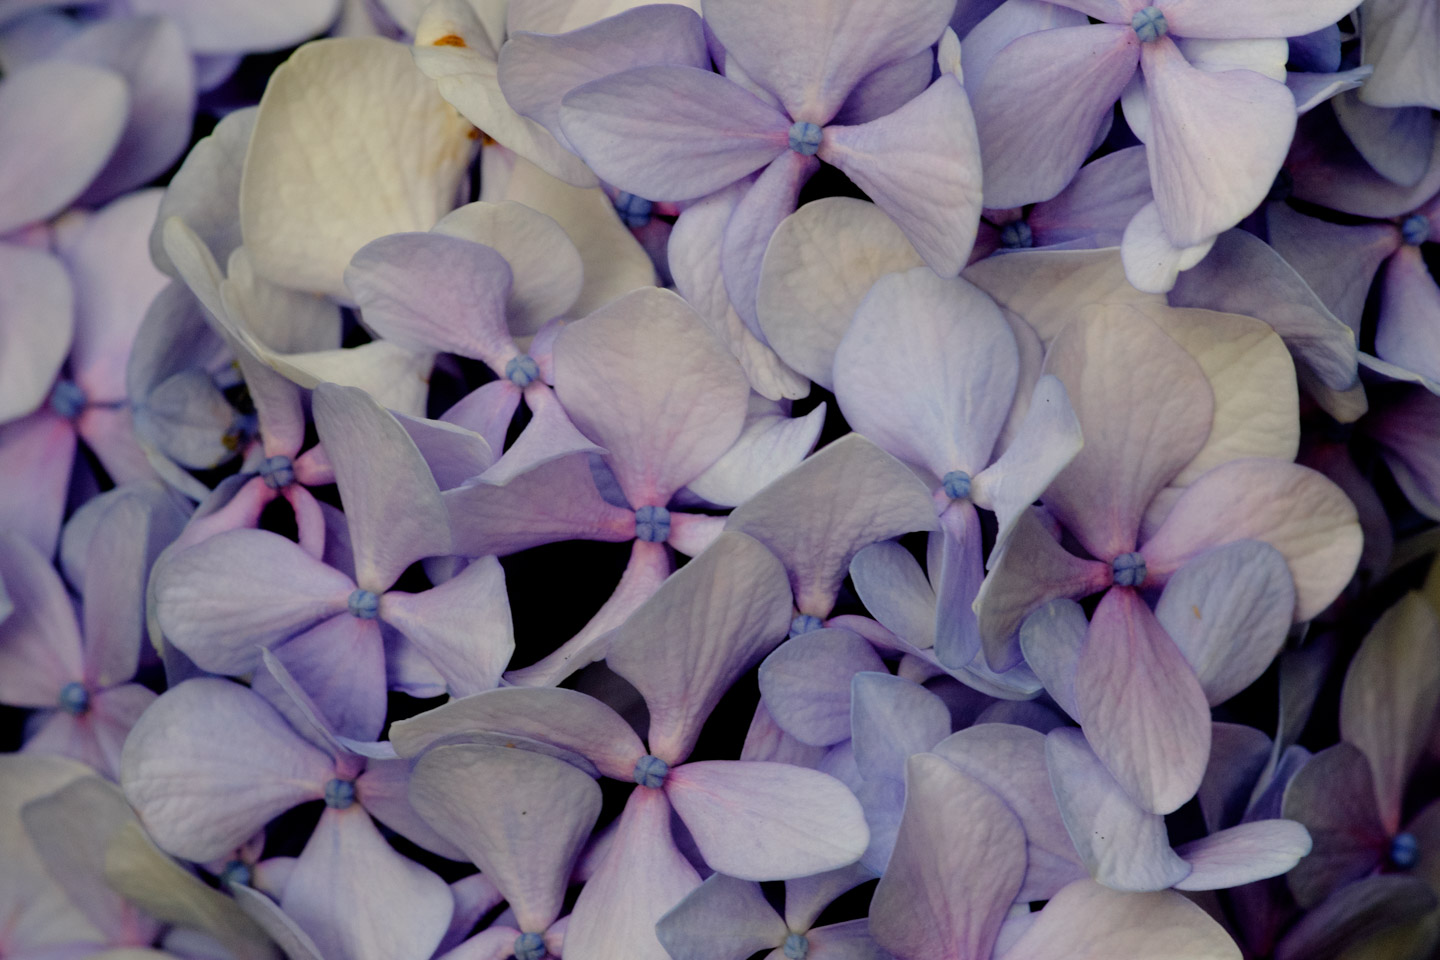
(833, 479)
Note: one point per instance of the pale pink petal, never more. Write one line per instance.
(760, 209)
(1243, 854)
(36, 325)
(36, 455)
(462, 626)
(39, 641)
(1144, 712)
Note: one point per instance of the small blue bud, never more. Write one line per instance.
(650, 771)
(74, 699)
(364, 604)
(957, 484)
(1415, 229)
(805, 623)
(1128, 570)
(1405, 850)
(1016, 235)
(1149, 25)
(277, 472)
(797, 947)
(522, 370)
(634, 211)
(339, 794)
(530, 946)
(652, 524)
(68, 399)
(804, 138)
(236, 872)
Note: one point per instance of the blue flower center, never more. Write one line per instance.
(67, 399)
(339, 794)
(1405, 850)
(633, 210)
(1016, 235)
(1415, 229)
(650, 771)
(1149, 25)
(1128, 570)
(530, 946)
(277, 472)
(652, 524)
(797, 947)
(236, 872)
(522, 370)
(74, 699)
(957, 484)
(804, 138)
(364, 604)
(805, 623)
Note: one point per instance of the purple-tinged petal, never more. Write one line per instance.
(433, 291)
(537, 70)
(1391, 692)
(888, 88)
(1243, 854)
(1409, 330)
(1098, 204)
(722, 919)
(1405, 431)
(36, 326)
(521, 817)
(921, 164)
(272, 589)
(767, 821)
(487, 411)
(1063, 82)
(893, 588)
(279, 686)
(60, 122)
(646, 570)
(1294, 509)
(550, 435)
(394, 511)
(1123, 846)
(805, 684)
(766, 741)
(928, 371)
(813, 54)
(644, 378)
(807, 897)
(863, 494)
(1145, 407)
(641, 877)
(462, 626)
(759, 210)
(564, 718)
(1011, 761)
(340, 663)
(709, 623)
(150, 53)
(97, 737)
(1334, 797)
(1394, 141)
(39, 641)
(1031, 570)
(820, 263)
(1241, 20)
(1152, 262)
(1049, 437)
(1051, 639)
(892, 718)
(384, 791)
(1086, 921)
(1355, 914)
(547, 270)
(1243, 275)
(210, 763)
(672, 133)
(770, 445)
(1238, 756)
(1229, 612)
(1200, 189)
(1328, 171)
(453, 453)
(1143, 708)
(233, 26)
(958, 863)
(36, 455)
(359, 899)
(307, 165)
(277, 924)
